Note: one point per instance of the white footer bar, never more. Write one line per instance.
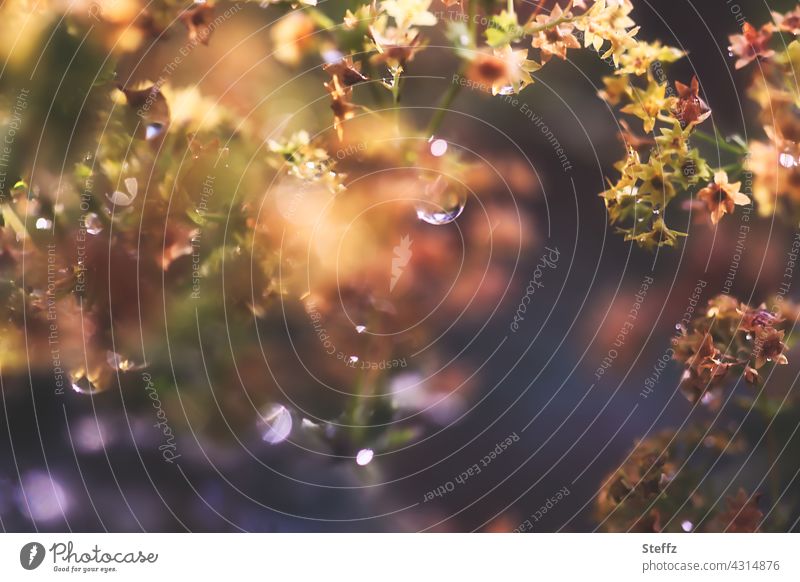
(389, 557)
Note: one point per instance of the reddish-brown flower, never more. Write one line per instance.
(742, 514)
(721, 197)
(753, 319)
(349, 73)
(690, 107)
(751, 44)
(503, 71)
(705, 352)
(751, 374)
(198, 21)
(554, 38)
(789, 22)
(343, 109)
(769, 347)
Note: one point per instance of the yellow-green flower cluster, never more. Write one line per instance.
(650, 180)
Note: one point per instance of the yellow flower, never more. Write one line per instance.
(617, 87)
(629, 167)
(674, 140)
(395, 47)
(648, 103)
(408, 13)
(638, 58)
(363, 16)
(656, 184)
(608, 21)
(660, 235)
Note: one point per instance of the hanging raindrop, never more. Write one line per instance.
(278, 421)
(83, 385)
(787, 160)
(153, 130)
(43, 223)
(119, 362)
(442, 202)
(93, 223)
(364, 456)
(438, 147)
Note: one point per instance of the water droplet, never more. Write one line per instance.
(278, 421)
(678, 326)
(442, 202)
(153, 130)
(353, 359)
(121, 363)
(361, 328)
(364, 456)
(43, 223)
(83, 385)
(787, 160)
(748, 337)
(93, 223)
(438, 147)
(308, 424)
(687, 525)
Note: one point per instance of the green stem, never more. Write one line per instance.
(12, 220)
(378, 96)
(550, 24)
(443, 106)
(448, 98)
(719, 142)
(772, 447)
(472, 22)
(733, 170)
(396, 80)
(320, 18)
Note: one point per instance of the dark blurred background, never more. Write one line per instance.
(579, 427)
